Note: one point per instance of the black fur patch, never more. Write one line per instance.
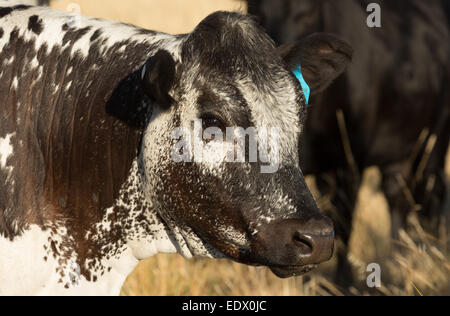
(5, 11)
(21, 7)
(35, 24)
(96, 35)
(65, 27)
(73, 34)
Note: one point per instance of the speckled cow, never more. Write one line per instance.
(87, 184)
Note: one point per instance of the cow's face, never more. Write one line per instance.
(220, 154)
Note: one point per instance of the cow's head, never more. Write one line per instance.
(228, 73)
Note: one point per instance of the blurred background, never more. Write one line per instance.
(416, 264)
(170, 16)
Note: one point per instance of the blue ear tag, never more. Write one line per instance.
(305, 87)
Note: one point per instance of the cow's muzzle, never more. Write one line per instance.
(294, 247)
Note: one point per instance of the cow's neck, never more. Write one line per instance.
(130, 230)
(99, 258)
(135, 219)
(114, 225)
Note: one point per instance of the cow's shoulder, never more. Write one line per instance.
(72, 113)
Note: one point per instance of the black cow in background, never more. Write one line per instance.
(446, 4)
(390, 109)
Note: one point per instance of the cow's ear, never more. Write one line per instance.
(157, 77)
(322, 57)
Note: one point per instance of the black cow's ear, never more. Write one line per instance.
(322, 57)
(157, 76)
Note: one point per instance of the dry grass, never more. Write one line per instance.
(173, 275)
(171, 16)
(420, 265)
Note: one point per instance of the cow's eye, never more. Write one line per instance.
(214, 128)
(212, 121)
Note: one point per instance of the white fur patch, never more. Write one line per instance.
(6, 149)
(24, 271)
(278, 110)
(52, 34)
(15, 84)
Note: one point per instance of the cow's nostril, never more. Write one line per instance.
(304, 242)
